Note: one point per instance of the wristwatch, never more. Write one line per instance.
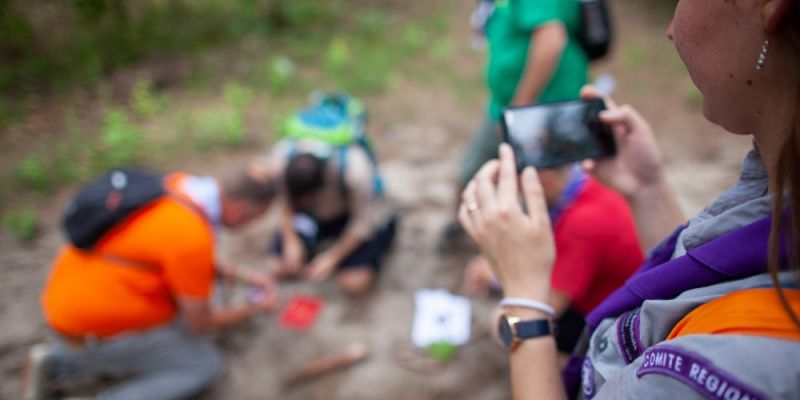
(512, 330)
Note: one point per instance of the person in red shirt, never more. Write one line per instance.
(597, 249)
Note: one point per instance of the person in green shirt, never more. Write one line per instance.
(533, 58)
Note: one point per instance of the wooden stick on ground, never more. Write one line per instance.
(353, 354)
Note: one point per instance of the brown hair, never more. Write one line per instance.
(788, 177)
(243, 185)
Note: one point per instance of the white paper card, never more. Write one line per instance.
(440, 317)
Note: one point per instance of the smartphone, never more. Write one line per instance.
(553, 134)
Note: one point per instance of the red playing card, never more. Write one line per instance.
(301, 312)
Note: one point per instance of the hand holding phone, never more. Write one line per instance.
(553, 134)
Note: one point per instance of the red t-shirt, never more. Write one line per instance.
(597, 247)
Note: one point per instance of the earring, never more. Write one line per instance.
(762, 57)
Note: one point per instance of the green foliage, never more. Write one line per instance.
(144, 101)
(225, 127)
(312, 44)
(59, 163)
(93, 9)
(22, 223)
(280, 71)
(338, 54)
(15, 31)
(6, 115)
(413, 38)
(220, 128)
(107, 36)
(442, 49)
(372, 22)
(120, 141)
(293, 14)
(238, 96)
(34, 174)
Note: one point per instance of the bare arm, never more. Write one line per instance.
(345, 245)
(560, 302)
(657, 213)
(359, 182)
(200, 317)
(508, 236)
(637, 173)
(287, 227)
(547, 45)
(534, 370)
(293, 248)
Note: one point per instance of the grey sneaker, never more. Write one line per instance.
(36, 373)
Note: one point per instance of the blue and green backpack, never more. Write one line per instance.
(330, 125)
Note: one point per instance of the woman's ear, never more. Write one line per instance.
(773, 13)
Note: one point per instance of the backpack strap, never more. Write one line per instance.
(127, 262)
(172, 184)
(172, 193)
(342, 153)
(756, 312)
(379, 190)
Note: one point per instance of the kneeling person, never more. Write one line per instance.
(336, 219)
(133, 305)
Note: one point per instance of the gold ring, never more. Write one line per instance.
(472, 207)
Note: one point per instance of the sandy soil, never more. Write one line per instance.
(421, 130)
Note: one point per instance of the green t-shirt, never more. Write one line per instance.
(509, 31)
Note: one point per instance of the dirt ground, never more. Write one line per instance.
(420, 130)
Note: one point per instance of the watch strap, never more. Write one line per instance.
(533, 328)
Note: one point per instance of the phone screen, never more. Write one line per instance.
(550, 135)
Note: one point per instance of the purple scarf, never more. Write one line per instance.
(736, 255)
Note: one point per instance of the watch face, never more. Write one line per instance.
(504, 329)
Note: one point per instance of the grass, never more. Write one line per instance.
(33, 173)
(302, 44)
(22, 223)
(279, 74)
(144, 101)
(120, 142)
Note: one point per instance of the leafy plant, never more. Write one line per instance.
(280, 70)
(238, 96)
(144, 100)
(121, 140)
(288, 14)
(372, 22)
(6, 115)
(222, 128)
(22, 223)
(33, 173)
(338, 54)
(414, 38)
(442, 49)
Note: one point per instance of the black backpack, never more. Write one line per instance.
(107, 201)
(595, 34)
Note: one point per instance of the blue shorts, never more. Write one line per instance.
(317, 236)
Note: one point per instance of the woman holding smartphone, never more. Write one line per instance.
(713, 312)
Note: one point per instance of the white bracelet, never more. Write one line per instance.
(527, 303)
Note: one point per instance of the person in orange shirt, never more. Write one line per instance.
(135, 305)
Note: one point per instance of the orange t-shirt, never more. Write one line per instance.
(93, 294)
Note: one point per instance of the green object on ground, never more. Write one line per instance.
(442, 351)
